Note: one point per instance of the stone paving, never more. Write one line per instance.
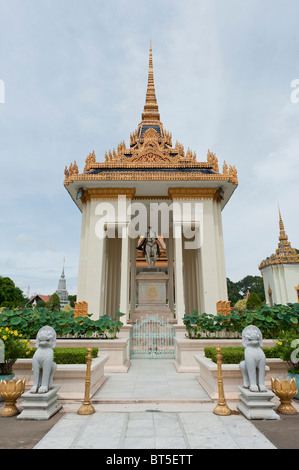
(149, 379)
(165, 418)
(154, 430)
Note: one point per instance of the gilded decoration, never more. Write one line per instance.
(195, 193)
(284, 254)
(81, 309)
(150, 148)
(223, 307)
(107, 193)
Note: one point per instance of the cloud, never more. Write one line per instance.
(75, 81)
(26, 241)
(39, 269)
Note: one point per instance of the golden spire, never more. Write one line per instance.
(282, 234)
(284, 254)
(151, 110)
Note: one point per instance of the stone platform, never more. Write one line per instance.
(40, 406)
(257, 405)
(152, 290)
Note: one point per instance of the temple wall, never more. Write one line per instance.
(282, 280)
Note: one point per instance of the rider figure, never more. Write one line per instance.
(149, 235)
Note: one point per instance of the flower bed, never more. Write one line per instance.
(186, 349)
(70, 373)
(270, 320)
(28, 322)
(232, 375)
(68, 355)
(116, 349)
(234, 355)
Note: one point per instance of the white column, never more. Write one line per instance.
(169, 254)
(220, 251)
(95, 269)
(81, 290)
(133, 275)
(178, 272)
(124, 274)
(209, 264)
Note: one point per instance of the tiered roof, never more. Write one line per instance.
(284, 254)
(151, 154)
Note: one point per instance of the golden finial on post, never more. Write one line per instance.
(86, 408)
(221, 409)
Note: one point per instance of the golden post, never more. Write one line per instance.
(86, 408)
(221, 409)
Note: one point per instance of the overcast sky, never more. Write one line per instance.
(75, 76)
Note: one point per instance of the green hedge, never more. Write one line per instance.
(234, 355)
(270, 320)
(28, 322)
(68, 355)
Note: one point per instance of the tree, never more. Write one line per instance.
(253, 302)
(72, 300)
(54, 303)
(238, 290)
(253, 284)
(10, 295)
(233, 291)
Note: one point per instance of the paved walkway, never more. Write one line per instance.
(149, 379)
(152, 407)
(154, 430)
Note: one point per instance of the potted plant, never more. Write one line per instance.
(288, 348)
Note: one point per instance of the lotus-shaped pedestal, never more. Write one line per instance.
(10, 391)
(286, 390)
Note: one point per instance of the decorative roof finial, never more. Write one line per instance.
(284, 254)
(282, 234)
(62, 274)
(151, 110)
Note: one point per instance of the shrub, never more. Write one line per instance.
(234, 355)
(67, 308)
(68, 355)
(72, 355)
(253, 301)
(270, 320)
(202, 323)
(29, 321)
(240, 306)
(13, 345)
(54, 303)
(288, 349)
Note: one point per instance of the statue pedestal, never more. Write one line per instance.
(151, 288)
(256, 405)
(40, 406)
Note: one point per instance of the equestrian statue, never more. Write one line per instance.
(150, 248)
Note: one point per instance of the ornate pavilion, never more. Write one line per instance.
(151, 170)
(280, 272)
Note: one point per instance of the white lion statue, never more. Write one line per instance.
(254, 366)
(43, 366)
